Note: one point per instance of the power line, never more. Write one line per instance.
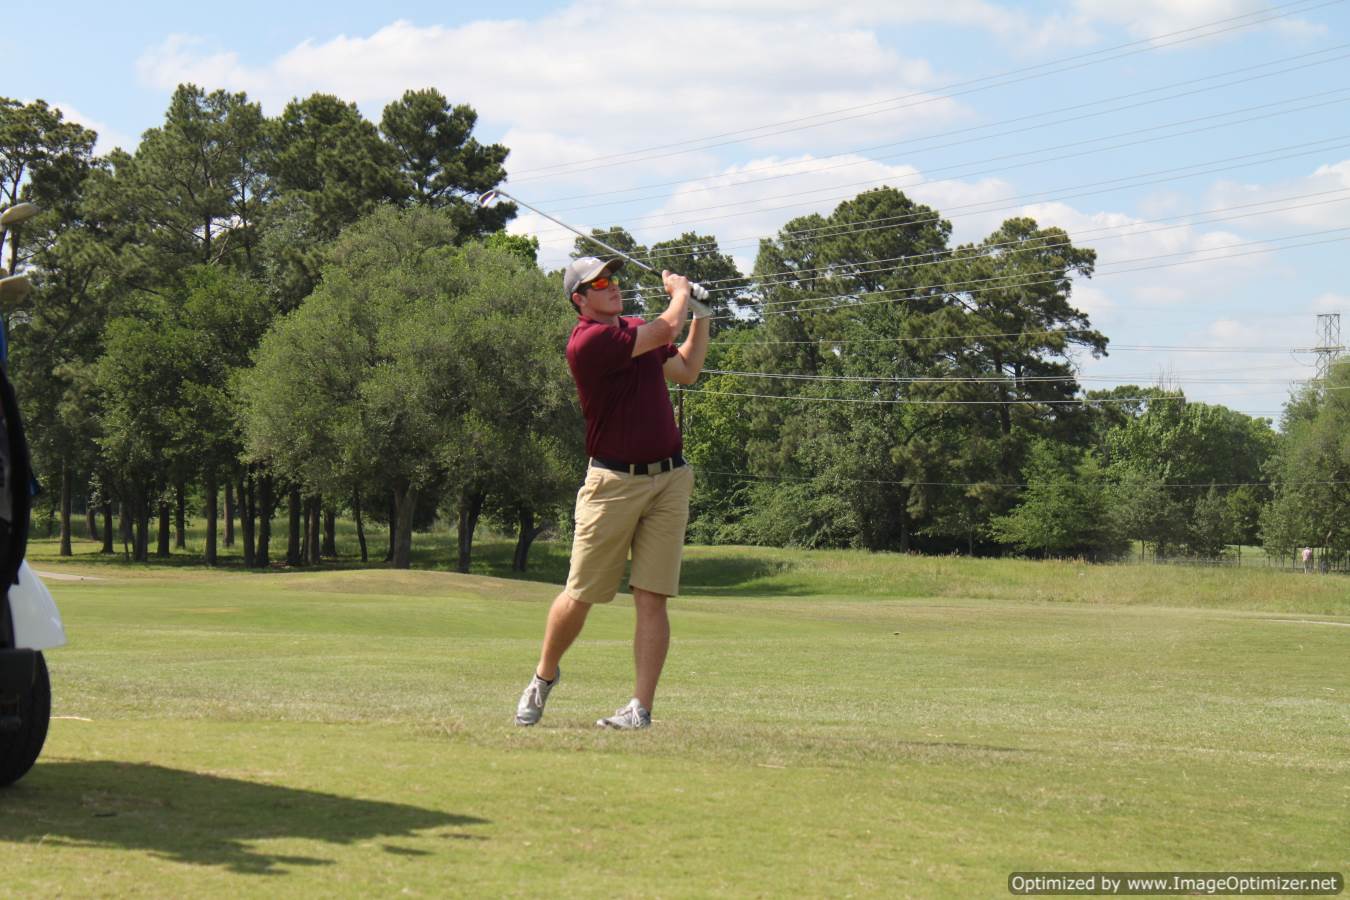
(1009, 380)
(984, 207)
(1027, 73)
(1047, 331)
(883, 401)
(1048, 242)
(1281, 108)
(998, 484)
(1012, 281)
(1075, 107)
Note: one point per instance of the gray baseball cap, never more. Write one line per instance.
(580, 271)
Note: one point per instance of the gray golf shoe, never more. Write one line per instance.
(530, 709)
(628, 718)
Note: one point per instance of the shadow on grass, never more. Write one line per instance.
(201, 819)
(433, 552)
(736, 577)
(436, 552)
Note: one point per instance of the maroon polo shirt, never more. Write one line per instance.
(629, 418)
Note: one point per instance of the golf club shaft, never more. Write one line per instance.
(697, 290)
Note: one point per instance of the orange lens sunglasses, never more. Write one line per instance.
(601, 283)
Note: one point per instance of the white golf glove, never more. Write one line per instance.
(697, 294)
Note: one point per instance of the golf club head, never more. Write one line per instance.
(486, 197)
(15, 287)
(19, 212)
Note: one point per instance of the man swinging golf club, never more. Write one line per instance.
(636, 495)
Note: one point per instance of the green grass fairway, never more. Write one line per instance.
(829, 724)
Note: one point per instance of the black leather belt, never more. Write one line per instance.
(651, 468)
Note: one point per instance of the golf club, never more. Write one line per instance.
(697, 292)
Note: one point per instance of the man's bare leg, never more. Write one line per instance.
(565, 619)
(651, 640)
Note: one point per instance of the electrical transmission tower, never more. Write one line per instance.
(1329, 345)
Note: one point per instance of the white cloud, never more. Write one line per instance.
(179, 59)
(740, 208)
(1330, 303)
(659, 79)
(1009, 23)
(1320, 199)
(1158, 18)
(108, 137)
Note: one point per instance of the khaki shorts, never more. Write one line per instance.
(618, 513)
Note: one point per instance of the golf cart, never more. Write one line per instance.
(29, 621)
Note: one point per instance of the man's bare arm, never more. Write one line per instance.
(666, 327)
(687, 363)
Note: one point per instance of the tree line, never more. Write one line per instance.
(311, 313)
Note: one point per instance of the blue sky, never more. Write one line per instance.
(565, 83)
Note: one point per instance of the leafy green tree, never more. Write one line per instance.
(46, 160)
(225, 313)
(141, 365)
(1312, 470)
(1244, 514)
(421, 359)
(442, 165)
(505, 331)
(1193, 443)
(1210, 528)
(1064, 509)
(524, 246)
(330, 167)
(194, 190)
(1014, 288)
(1189, 445)
(1146, 510)
(843, 423)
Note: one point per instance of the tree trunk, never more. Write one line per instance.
(405, 506)
(65, 510)
(246, 517)
(360, 528)
(91, 521)
(330, 533)
(162, 549)
(180, 517)
(393, 524)
(124, 526)
(904, 521)
(211, 524)
(229, 513)
(304, 533)
(107, 528)
(469, 509)
(142, 507)
(266, 506)
(293, 527)
(312, 530)
(528, 532)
